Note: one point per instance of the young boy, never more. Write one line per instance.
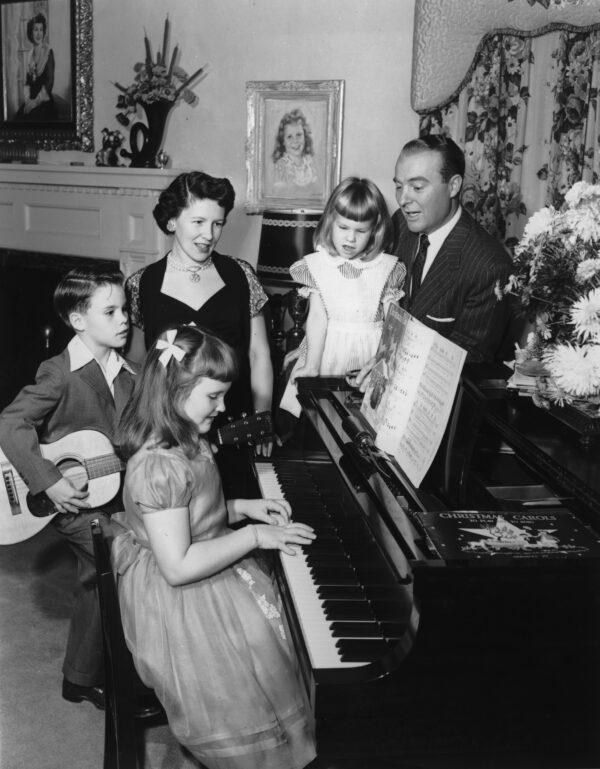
(84, 388)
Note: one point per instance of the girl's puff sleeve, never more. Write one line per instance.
(161, 481)
(300, 272)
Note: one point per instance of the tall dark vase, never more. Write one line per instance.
(146, 141)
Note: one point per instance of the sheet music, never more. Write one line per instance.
(409, 398)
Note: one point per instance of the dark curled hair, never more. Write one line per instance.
(39, 18)
(453, 158)
(181, 193)
(156, 409)
(75, 289)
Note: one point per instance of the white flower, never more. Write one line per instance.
(587, 269)
(575, 369)
(539, 222)
(585, 316)
(584, 223)
(582, 191)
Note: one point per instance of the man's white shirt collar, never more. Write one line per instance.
(80, 355)
(437, 238)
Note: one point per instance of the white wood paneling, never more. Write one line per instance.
(83, 211)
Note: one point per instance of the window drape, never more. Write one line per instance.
(527, 117)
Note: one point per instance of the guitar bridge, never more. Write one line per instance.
(11, 492)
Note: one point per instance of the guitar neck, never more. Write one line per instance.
(103, 465)
(248, 429)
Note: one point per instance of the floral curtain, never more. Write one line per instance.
(527, 118)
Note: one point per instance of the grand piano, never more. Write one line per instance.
(413, 654)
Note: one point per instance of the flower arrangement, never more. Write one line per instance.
(557, 283)
(155, 81)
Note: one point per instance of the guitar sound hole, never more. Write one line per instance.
(75, 472)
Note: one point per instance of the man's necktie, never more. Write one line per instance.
(419, 263)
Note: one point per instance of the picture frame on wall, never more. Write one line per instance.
(46, 73)
(293, 144)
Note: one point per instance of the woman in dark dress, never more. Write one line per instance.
(194, 283)
(40, 103)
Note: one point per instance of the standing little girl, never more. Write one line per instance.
(350, 280)
(201, 615)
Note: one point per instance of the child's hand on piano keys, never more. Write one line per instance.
(276, 512)
(283, 537)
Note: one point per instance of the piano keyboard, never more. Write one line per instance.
(339, 623)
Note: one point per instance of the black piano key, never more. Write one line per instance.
(316, 558)
(386, 610)
(327, 545)
(334, 575)
(374, 575)
(348, 611)
(318, 522)
(391, 631)
(341, 592)
(382, 592)
(336, 579)
(326, 535)
(356, 630)
(359, 650)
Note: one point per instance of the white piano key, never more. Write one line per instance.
(316, 629)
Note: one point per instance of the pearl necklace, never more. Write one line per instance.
(193, 272)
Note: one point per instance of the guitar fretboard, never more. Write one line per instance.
(103, 465)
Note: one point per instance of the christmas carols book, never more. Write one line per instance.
(411, 391)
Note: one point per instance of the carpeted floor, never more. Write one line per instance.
(37, 727)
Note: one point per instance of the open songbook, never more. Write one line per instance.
(411, 390)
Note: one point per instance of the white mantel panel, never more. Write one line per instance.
(83, 211)
(7, 216)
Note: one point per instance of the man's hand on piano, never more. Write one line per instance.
(291, 357)
(304, 371)
(264, 448)
(360, 379)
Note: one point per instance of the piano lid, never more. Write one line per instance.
(385, 493)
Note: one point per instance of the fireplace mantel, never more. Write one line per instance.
(83, 211)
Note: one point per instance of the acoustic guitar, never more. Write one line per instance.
(87, 458)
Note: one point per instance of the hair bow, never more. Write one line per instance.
(170, 349)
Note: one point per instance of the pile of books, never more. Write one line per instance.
(526, 385)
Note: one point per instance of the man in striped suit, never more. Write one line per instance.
(452, 263)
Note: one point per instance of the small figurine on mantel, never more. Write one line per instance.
(162, 159)
(111, 143)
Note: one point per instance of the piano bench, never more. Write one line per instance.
(128, 701)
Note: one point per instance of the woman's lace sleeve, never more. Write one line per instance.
(301, 273)
(132, 291)
(258, 297)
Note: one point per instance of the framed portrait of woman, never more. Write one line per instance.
(46, 68)
(293, 145)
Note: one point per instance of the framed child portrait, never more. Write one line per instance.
(293, 145)
(46, 73)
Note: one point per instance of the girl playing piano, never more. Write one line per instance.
(350, 280)
(201, 614)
